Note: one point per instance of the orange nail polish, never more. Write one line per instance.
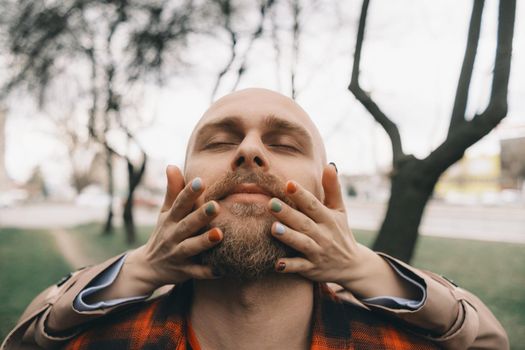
(291, 187)
(214, 235)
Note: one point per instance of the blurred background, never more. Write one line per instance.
(418, 102)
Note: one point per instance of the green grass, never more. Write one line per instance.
(29, 262)
(492, 271)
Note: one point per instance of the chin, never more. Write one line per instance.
(248, 251)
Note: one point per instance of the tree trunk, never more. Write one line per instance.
(411, 188)
(134, 179)
(129, 224)
(108, 226)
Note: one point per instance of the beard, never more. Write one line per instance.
(248, 251)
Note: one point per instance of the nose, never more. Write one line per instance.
(250, 155)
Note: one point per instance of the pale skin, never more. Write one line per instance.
(243, 130)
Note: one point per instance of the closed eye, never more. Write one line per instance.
(284, 147)
(219, 145)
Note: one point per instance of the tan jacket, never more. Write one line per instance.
(450, 316)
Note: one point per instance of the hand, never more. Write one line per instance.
(166, 257)
(330, 252)
(319, 231)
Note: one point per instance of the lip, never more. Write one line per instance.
(247, 192)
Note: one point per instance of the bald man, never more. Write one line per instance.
(254, 236)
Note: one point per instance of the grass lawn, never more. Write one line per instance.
(493, 271)
(29, 262)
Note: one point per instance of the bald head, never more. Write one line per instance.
(258, 103)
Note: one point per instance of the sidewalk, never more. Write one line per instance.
(502, 223)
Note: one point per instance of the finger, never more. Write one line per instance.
(332, 188)
(175, 184)
(186, 199)
(293, 265)
(294, 219)
(294, 239)
(196, 245)
(201, 272)
(306, 202)
(194, 221)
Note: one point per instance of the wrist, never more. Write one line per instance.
(372, 276)
(137, 272)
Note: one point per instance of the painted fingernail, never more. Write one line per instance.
(335, 166)
(196, 184)
(276, 206)
(210, 209)
(214, 235)
(279, 228)
(291, 187)
(281, 266)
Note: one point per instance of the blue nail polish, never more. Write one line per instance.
(279, 228)
(196, 184)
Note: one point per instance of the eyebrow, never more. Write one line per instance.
(273, 123)
(228, 124)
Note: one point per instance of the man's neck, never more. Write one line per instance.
(272, 313)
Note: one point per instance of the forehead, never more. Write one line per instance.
(253, 105)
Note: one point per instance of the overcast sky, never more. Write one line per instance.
(412, 56)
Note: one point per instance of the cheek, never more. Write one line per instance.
(310, 178)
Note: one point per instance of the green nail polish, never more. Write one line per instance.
(210, 209)
(276, 206)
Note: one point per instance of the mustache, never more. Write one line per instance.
(267, 182)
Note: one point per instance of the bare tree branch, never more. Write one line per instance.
(470, 132)
(460, 101)
(227, 11)
(263, 10)
(296, 31)
(365, 99)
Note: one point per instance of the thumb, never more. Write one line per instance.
(332, 189)
(175, 185)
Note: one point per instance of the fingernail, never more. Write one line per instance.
(276, 206)
(281, 266)
(196, 184)
(279, 228)
(214, 235)
(335, 166)
(291, 187)
(210, 209)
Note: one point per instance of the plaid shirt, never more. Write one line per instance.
(162, 324)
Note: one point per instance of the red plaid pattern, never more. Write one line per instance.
(161, 324)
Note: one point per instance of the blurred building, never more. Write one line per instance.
(472, 179)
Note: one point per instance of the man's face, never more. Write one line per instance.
(245, 148)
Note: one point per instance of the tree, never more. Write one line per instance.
(412, 179)
(121, 43)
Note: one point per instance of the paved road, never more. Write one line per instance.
(504, 223)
